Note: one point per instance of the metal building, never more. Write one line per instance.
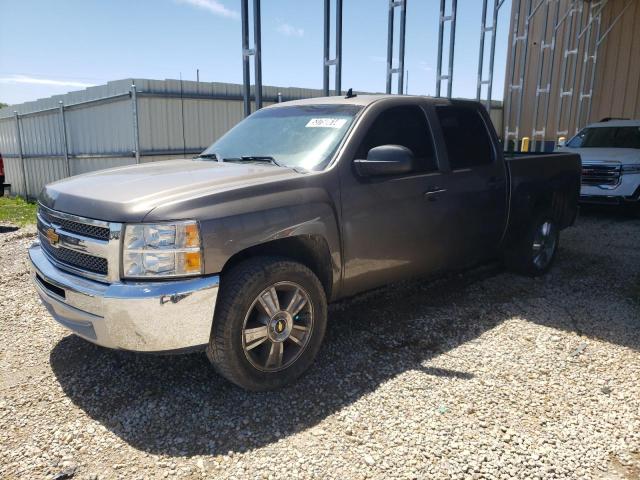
(570, 63)
(120, 123)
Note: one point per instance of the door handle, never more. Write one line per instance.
(431, 192)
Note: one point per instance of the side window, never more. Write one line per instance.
(406, 126)
(465, 136)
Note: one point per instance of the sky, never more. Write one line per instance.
(50, 47)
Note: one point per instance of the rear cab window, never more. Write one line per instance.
(466, 137)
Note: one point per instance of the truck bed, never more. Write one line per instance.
(554, 177)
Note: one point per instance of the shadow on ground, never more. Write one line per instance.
(179, 406)
(8, 228)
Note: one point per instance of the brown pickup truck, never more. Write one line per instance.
(238, 251)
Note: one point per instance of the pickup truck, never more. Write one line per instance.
(238, 251)
(610, 153)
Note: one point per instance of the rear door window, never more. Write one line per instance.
(466, 137)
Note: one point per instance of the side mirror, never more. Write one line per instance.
(385, 160)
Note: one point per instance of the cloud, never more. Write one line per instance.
(290, 30)
(212, 6)
(425, 66)
(23, 79)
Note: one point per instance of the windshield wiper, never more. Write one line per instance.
(251, 158)
(209, 155)
(254, 158)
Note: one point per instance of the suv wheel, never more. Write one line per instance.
(269, 323)
(534, 252)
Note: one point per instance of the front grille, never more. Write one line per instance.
(78, 244)
(75, 259)
(600, 174)
(92, 231)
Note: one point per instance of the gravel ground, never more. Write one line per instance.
(484, 375)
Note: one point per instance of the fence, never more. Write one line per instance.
(121, 123)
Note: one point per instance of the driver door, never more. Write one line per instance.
(391, 223)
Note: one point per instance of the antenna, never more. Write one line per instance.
(350, 94)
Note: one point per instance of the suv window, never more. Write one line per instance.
(465, 136)
(406, 126)
(607, 137)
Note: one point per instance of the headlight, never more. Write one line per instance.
(162, 250)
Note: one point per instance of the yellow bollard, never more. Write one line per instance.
(524, 145)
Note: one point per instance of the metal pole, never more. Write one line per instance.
(492, 54)
(568, 75)
(246, 72)
(585, 64)
(543, 46)
(63, 137)
(593, 70)
(483, 26)
(403, 25)
(20, 155)
(440, 42)
(452, 44)
(545, 112)
(390, 46)
(136, 131)
(523, 66)
(338, 47)
(257, 43)
(325, 62)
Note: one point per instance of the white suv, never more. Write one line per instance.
(610, 152)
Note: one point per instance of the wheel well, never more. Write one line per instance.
(309, 250)
(558, 203)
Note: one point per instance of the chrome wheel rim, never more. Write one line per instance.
(277, 326)
(544, 244)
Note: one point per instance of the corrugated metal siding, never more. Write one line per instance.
(105, 128)
(618, 78)
(616, 87)
(13, 174)
(8, 137)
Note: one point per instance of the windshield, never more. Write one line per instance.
(607, 137)
(297, 136)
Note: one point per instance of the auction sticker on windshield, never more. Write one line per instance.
(326, 123)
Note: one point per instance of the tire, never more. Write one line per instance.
(246, 313)
(535, 250)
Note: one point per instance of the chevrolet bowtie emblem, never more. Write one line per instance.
(52, 236)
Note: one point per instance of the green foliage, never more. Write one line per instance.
(17, 211)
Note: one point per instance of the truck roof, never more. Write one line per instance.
(361, 100)
(615, 123)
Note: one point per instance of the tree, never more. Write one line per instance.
(2, 105)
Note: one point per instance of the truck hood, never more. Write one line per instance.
(606, 155)
(128, 194)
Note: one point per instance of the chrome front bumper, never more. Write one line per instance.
(626, 190)
(139, 316)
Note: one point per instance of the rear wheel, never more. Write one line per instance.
(534, 252)
(269, 323)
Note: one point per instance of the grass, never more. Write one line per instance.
(17, 211)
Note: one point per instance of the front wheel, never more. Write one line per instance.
(534, 252)
(269, 323)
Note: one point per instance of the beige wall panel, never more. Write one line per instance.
(617, 79)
